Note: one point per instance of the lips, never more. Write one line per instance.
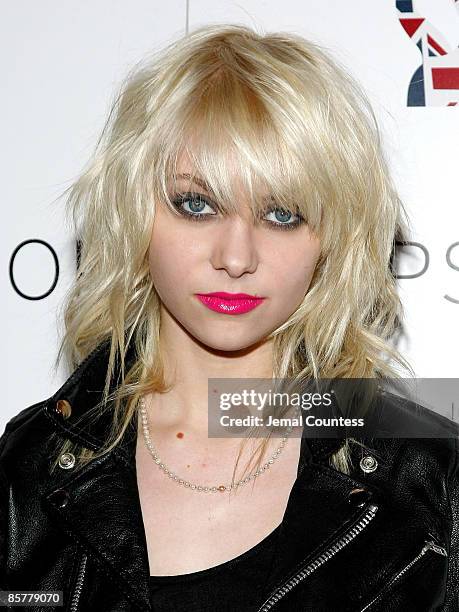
(229, 303)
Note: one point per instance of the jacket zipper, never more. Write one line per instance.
(428, 545)
(79, 584)
(318, 561)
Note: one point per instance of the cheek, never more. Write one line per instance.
(163, 267)
(295, 284)
(170, 260)
(293, 270)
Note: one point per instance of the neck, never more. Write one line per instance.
(189, 365)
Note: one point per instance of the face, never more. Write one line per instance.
(232, 254)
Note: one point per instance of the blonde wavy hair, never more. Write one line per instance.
(297, 124)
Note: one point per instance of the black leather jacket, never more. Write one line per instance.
(371, 541)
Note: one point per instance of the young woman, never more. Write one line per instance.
(232, 163)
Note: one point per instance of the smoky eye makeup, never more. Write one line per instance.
(198, 207)
(194, 205)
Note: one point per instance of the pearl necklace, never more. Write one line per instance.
(181, 481)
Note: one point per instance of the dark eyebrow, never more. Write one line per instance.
(196, 180)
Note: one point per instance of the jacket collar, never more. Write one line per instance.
(83, 390)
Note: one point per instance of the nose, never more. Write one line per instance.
(234, 248)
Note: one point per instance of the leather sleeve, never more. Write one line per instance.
(452, 589)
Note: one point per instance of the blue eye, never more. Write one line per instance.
(284, 216)
(196, 204)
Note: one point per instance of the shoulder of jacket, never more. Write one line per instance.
(431, 435)
(25, 422)
(25, 433)
(416, 413)
(24, 416)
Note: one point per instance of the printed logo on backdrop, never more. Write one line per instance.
(24, 248)
(432, 25)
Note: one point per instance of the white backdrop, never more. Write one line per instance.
(61, 64)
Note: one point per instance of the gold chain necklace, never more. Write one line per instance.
(194, 487)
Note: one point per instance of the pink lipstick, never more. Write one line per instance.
(229, 303)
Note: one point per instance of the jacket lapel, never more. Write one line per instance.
(320, 509)
(103, 514)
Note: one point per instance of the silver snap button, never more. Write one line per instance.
(66, 461)
(368, 464)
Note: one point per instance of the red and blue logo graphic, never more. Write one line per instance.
(436, 81)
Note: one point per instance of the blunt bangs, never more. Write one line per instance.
(241, 139)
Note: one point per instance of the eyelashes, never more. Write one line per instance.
(181, 199)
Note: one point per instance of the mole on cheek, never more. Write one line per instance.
(180, 434)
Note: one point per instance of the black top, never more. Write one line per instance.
(238, 584)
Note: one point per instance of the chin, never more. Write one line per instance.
(231, 344)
